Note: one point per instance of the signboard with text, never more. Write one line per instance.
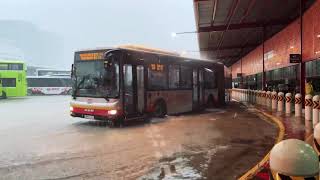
(295, 58)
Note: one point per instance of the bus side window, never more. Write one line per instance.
(174, 76)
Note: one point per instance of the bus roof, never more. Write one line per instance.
(47, 77)
(11, 61)
(140, 48)
(47, 69)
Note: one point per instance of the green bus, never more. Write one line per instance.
(13, 82)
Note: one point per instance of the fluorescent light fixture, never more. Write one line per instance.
(318, 36)
(173, 34)
(278, 63)
(209, 70)
(291, 47)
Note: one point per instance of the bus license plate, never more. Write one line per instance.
(88, 117)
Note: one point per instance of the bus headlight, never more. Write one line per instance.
(71, 109)
(112, 112)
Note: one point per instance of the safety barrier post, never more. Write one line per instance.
(295, 158)
(298, 105)
(315, 111)
(280, 101)
(308, 107)
(263, 99)
(259, 97)
(247, 95)
(274, 101)
(288, 103)
(268, 99)
(254, 98)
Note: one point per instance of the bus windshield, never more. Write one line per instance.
(96, 79)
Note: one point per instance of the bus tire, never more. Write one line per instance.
(160, 109)
(4, 95)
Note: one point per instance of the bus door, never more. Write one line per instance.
(195, 94)
(133, 78)
(140, 89)
(128, 90)
(201, 87)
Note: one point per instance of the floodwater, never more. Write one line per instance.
(39, 140)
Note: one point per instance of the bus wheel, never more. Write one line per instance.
(4, 95)
(160, 110)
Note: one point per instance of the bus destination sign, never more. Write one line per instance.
(91, 56)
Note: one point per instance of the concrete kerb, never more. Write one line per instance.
(281, 131)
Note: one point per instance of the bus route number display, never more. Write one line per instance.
(157, 67)
(91, 56)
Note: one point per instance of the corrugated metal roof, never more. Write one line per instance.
(229, 29)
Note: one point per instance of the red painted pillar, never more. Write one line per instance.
(302, 64)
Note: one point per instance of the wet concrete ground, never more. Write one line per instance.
(40, 141)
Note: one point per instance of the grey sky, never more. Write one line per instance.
(102, 23)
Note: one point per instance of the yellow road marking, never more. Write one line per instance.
(254, 170)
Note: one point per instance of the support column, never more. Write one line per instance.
(263, 68)
(302, 64)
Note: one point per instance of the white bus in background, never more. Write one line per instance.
(53, 72)
(49, 85)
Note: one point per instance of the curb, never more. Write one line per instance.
(254, 170)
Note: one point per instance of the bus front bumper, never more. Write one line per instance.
(95, 114)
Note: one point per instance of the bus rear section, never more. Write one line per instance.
(49, 85)
(13, 79)
(123, 83)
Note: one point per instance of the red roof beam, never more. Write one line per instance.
(244, 25)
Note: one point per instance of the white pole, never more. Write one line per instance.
(315, 111)
(268, 99)
(280, 101)
(288, 103)
(259, 97)
(308, 107)
(274, 100)
(298, 105)
(264, 97)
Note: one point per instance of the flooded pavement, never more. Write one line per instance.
(40, 141)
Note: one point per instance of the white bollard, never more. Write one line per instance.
(288, 103)
(308, 107)
(259, 97)
(274, 100)
(268, 99)
(298, 105)
(280, 101)
(315, 111)
(247, 95)
(264, 95)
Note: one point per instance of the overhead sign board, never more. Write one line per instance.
(295, 58)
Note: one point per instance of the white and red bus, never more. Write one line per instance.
(129, 82)
(49, 85)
